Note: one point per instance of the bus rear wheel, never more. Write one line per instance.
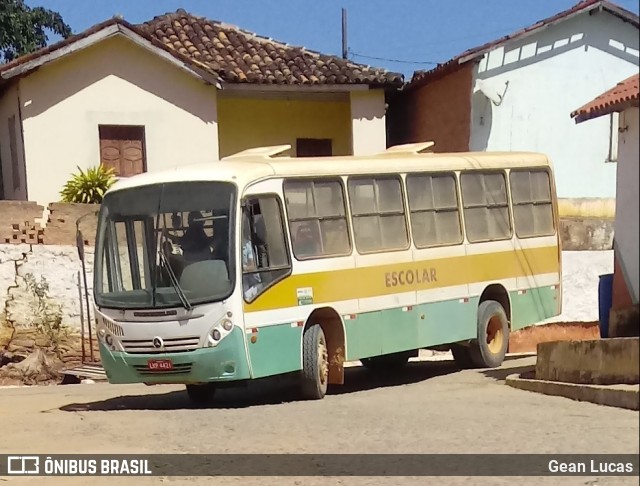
(201, 394)
(490, 348)
(315, 363)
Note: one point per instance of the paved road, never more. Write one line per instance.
(430, 408)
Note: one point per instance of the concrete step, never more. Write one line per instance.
(91, 371)
(613, 361)
(620, 396)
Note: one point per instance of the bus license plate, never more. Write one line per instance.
(160, 364)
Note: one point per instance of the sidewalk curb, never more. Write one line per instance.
(620, 396)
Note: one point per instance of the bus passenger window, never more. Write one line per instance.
(433, 203)
(532, 203)
(377, 208)
(317, 218)
(486, 208)
(306, 239)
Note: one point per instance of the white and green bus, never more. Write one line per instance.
(260, 265)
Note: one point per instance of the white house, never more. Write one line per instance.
(623, 99)
(514, 94)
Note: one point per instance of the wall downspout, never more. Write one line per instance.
(24, 153)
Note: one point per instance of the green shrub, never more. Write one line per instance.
(88, 187)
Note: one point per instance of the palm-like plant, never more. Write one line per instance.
(88, 187)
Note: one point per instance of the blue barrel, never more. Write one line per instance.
(605, 294)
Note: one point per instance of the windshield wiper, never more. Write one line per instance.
(174, 281)
(158, 238)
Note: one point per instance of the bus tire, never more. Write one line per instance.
(201, 394)
(489, 350)
(315, 363)
(462, 356)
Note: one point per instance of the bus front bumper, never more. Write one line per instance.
(224, 363)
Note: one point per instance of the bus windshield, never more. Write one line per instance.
(165, 245)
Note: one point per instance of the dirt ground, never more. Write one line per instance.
(527, 340)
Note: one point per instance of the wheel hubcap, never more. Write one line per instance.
(495, 336)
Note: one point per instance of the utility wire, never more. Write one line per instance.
(402, 61)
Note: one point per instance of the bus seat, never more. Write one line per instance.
(207, 277)
(306, 240)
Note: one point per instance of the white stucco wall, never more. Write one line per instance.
(368, 122)
(9, 107)
(60, 267)
(113, 83)
(549, 75)
(628, 206)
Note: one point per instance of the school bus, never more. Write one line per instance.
(261, 264)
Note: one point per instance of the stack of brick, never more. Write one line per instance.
(61, 226)
(18, 222)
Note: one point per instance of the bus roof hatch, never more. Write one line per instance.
(409, 148)
(259, 152)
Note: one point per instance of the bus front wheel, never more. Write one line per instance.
(490, 348)
(201, 394)
(315, 363)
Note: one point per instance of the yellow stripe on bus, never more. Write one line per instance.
(363, 282)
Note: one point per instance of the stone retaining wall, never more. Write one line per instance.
(40, 303)
(579, 234)
(598, 362)
(58, 266)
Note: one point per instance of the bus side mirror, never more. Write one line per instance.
(80, 244)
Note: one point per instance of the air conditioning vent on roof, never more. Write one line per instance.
(259, 152)
(409, 148)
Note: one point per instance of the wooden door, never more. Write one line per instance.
(122, 148)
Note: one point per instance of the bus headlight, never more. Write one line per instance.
(219, 331)
(109, 339)
(227, 325)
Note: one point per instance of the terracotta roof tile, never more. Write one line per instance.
(239, 56)
(234, 55)
(626, 93)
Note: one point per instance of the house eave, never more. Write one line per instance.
(607, 110)
(542, 25)
(99, 36)
(80, 44)
(479, 52)
(298, 88)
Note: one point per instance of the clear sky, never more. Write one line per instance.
(420, 33)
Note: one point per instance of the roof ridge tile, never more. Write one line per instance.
(267, 56)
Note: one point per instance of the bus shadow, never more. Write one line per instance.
(501, 374)
(270, 391)
(359, 378)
